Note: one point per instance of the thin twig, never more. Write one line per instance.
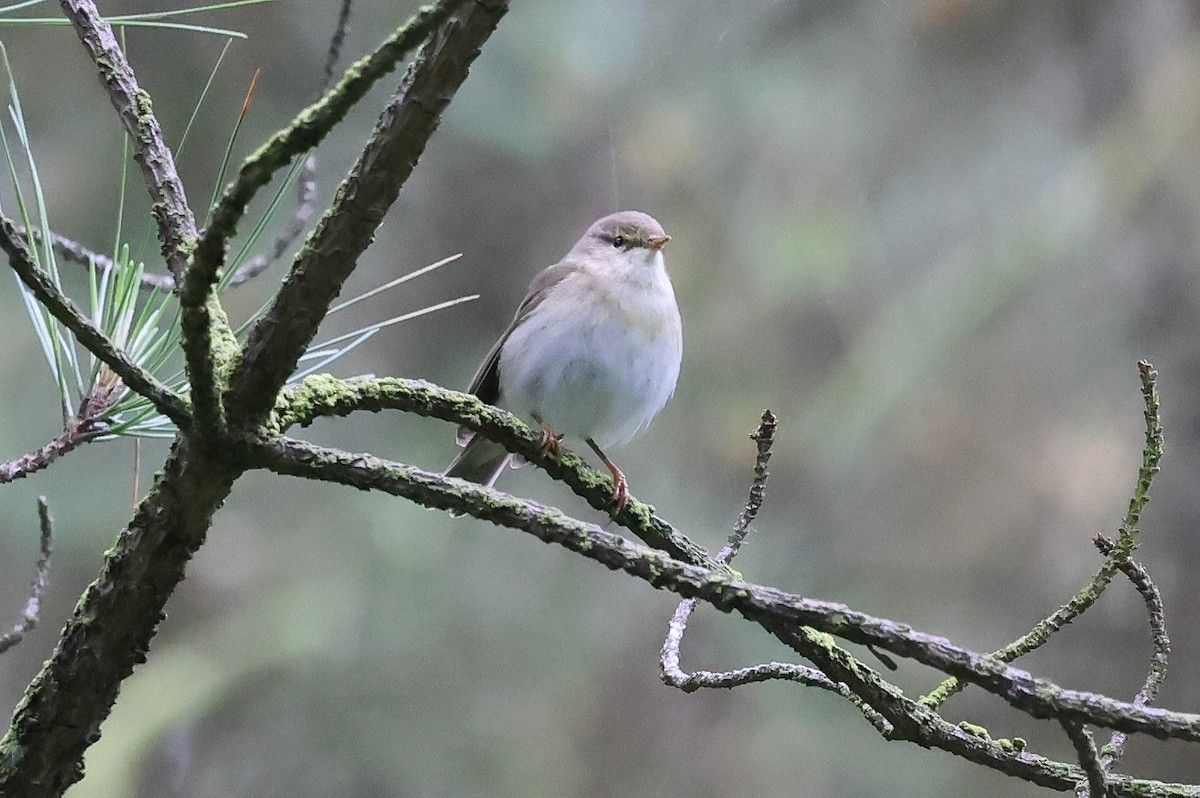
(1161, 647)
(306, 181)
(764, 438)
(672, 674)
(307, 130)
(1085, 749)
(306, 206)
(78, 433)
(1127, 538)
(33, 605)
(71, 250)
(334, 53)
(278, 339)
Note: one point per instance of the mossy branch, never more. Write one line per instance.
(323, 395)
(1113, 562)
(275, 343)
(306, 131)
(176, 224)
(804, 624)
(208, 342)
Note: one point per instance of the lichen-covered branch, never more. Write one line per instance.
(110, 630)
(770, 607)
(322, 396)
(274, 345)
(1121, 552)
(782, 614)
(176, 224)
(208, 342)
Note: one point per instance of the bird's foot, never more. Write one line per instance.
(549, 443)
(620, 491)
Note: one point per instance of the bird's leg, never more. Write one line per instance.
(548, 441)
(620, 491)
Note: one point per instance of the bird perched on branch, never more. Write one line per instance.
(593, 352)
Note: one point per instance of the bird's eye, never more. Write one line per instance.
(619, 242)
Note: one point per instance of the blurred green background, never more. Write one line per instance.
(934, 236)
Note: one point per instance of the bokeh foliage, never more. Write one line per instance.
(933, 236)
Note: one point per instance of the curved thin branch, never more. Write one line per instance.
(1085, 749)
(91, 337)
(763, 437)
(770, 607)
(322, 395)
(1121, 552)
(33, 605)
(1160, 652)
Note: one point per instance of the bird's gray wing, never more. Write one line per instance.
(486, 382)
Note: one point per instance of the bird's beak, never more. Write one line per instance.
(657, 242)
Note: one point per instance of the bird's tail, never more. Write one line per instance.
(481, 461)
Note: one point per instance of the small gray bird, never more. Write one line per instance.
(593, 352)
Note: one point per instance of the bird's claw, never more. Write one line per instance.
(620, 494)
(549, 444)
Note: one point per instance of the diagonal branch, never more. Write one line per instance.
(306, 205)
(771, 608)
(138, 379)
(208, 343)
(277, 340)
(78, 432)
(309, 128)
(176, 225)
(112, 625)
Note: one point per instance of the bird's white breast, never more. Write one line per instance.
(599, 356)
